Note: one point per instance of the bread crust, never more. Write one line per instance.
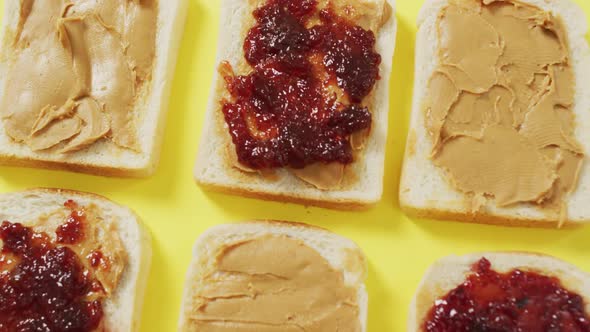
(487, 218)
(344, 205)
(77, 167)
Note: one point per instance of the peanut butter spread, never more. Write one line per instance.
(77, 70)
(274, 283)
(499, 105)
(100, 249)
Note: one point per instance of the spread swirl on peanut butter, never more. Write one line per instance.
(76, 72)
(273, 283)
(499, 106)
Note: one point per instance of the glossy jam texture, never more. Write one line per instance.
(286, 112)
(515, 301)
(72, 231)
(43, 285)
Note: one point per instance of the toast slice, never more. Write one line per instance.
(104, 157)
(362, 183)
(342, 255)
(450, 272)
(426, 192)
(43, 210)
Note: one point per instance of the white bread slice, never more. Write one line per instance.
(341, 253)
(122, 311)
(213, 170)
(424, 190)
(448, 273)
(103, 157)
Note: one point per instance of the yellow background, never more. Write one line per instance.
(177, 211)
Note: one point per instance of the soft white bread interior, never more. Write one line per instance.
(104, 157)
(122, 310)
(424, 190)
(341, 253)
(448, 273)
(215, 172)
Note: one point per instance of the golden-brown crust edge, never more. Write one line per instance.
(275, 222)
(47, 190)
(487, 219)
(107, 171)
(343, 205)
(85, 194)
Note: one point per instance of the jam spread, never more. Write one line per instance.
(72, 231)
(44, 286)
(302, 100)
(514, 301)
(96, 259)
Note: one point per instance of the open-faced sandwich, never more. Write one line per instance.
(299, 105)
(84, 85)
(500, 127)
(502, 292)
(275, 277)
(70, 261)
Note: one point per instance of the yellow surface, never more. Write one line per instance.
(177, 211)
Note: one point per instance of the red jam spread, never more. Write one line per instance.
(286, 112)
(44, 286)
(96, 259)
(515, 301)
(72, 231)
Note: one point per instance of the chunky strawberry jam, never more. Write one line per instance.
(303, 98)
(43, 285)
(515, 301)
(72, 231)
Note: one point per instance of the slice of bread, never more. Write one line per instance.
(122, 310)
(104, 157)
(363, 179)
(424, 189)
(342, 254)
(448, 273)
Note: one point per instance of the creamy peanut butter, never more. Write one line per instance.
(273, 283)
(370, 15)
(77, 71)
(322, 176)
(100, 236)
(499, 105)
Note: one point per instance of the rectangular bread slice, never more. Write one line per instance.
(215, 170)
(450, 272)
(104, 157)
(122, 310)
(342, 254)
(424, 190)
